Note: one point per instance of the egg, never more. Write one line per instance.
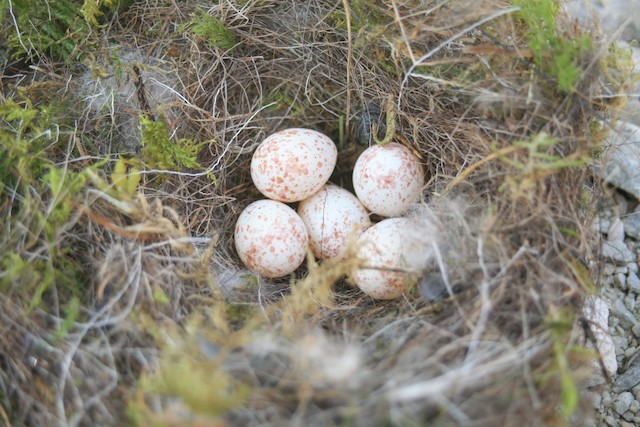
(293, 164)
(386, 251)
(271, 239)
(388, 179)
(332, 216)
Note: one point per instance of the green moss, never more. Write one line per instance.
(159, 152)
(211, 30)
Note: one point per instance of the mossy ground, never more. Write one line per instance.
(126, 131)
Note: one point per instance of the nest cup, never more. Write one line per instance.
(189, 336)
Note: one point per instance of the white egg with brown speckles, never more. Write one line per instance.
(271, 239)
(293, 164)
(388, 179)
(385, 249)
(333, 216)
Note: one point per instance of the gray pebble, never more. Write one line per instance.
(620, 280)
(611, 421)
(630, 302)
(617, 252)
(616, 231)
(606, 399)
(627, 424)
(623, 402)
(628, 416)
(627, 319)
(635, 406)
(636, 329)
(633, 281)
(628, 380)
(596, 400)
(632, 224)
(630, 352)
(636, 392)
(633, 267)
(608, 269)
(622, 269)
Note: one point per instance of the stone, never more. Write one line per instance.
(628, 416)
(627, 319)
(622, 403)
(617, 252)
(629, 379)
(627, 423)
(620, 280)
(633, 282)
(636, 330)
(616, 230)
(596, 311)
(606, 399)
(595, 398)
(635, 406)
(636, 391)
(622, 158)
(611, 421)
(632, 224)
(633, 267)
(630, 302)
(623, 269)
(608, 269)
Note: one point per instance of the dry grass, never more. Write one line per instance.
(173, 331)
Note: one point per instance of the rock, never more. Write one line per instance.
(617, 252)
(636, 391)
(620, 281)
(595, 398)
(627, 319)
(615, 233)
(622, 159)
(629, 379)
(630, 302)
(608, 269)
(633, 282)
(627, 423)
(636, 330)
(633, 267)
(628, 416)
(611, 421)
(615, 17)
(623, 402)
(597, 313)
(635, 406)
(606, 399)
(632, 224)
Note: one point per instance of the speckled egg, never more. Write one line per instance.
(271, 239)
(388, 179)
(332, 216)
(385, 248)
(293, 164)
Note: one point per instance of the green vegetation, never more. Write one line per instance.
(212, 31)
(37, 196)
(554, 53)
(159, 152)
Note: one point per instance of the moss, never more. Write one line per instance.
(159, 152)
(211, 30)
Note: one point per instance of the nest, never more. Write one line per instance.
(172, 330)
